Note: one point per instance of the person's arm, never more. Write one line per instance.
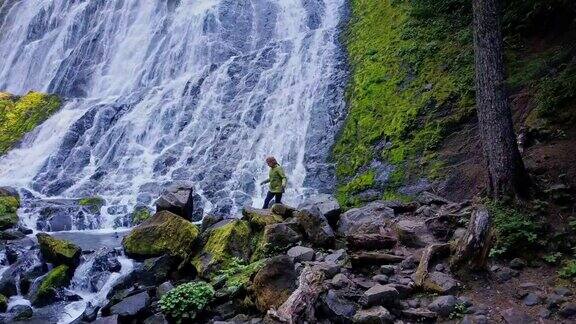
(265, 182)
(283, 176)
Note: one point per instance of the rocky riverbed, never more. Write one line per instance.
(386, 262)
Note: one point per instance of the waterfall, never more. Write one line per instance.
(161, 91)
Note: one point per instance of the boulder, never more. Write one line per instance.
(365, 220)
(316, 227)
(281, 235)
(21, 312)
(156, 319)
(107, 320)
(182, 201)
(11, 234)
(379, 295)
(301, 253)
(132, 308)
(226, 240)
(419, 315)
(326, 204)
(336, 308)
(515, 316)
(163, 233)
(373, 315)
(9, 204)
(259, 218)
(410, 233)
(568, 310)
(283, 210)
(441, 283)
(163, 289)
(274, 282)
(59, 251)
(443, 305)
(46, 292)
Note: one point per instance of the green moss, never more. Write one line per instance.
(8, 208)
(163, 233)
(412, 76)
(58, 251)
(238, 273)
(345, 193)
(58, 277)
(92, 203)
(232, 240)
(3, 299)
(259, 218)
(20, 115)
(139, 215)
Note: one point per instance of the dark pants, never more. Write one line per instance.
(269, 197)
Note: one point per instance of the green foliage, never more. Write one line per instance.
(460, 310)
(185, 301)
(238, 273)
(569, 270)
(552, 258)
(515, 231)
(8, 207)
(19, 115)
(362, 182)
(140, 214)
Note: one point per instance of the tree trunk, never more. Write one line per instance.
(507, 176)
(471, 252)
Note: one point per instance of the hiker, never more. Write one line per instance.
(277, 180)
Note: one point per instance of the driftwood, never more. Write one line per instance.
(371, 258)
(300, 305)
(369, 242)
(473, 248)
(430, 252)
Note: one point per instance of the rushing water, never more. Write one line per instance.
(165, 90)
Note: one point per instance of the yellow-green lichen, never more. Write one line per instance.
(58, 251)
(232, 240)
(19, 115)
(163, 233)
(8, 208)
(58, 277)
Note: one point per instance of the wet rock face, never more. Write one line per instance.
(59, 251)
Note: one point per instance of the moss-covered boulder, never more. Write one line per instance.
(59, 252)
(46, 292)
(225, 241)
(9, 204)
(93, 204)
(163, 233)
(259, 218)
(140, 214)
(274, 282)
(3, 303)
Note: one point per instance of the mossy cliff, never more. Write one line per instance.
(20, 115)
(412, 85)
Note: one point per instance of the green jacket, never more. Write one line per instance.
(277, 179)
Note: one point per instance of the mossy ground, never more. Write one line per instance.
(8, 207)
(19, 115)
(412, 83)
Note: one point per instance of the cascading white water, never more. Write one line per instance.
(166, 90)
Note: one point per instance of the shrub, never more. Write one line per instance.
(515, 232)
(185, 301)
(569, 270)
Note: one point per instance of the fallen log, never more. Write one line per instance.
(369, 242)
(430, 252)
(299, 307)
(374, 258)
(473, 248)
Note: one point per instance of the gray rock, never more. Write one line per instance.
(301, 253)
(280, 236)
(21, 312)
(365, 220)
(373, 315)
(441, 283)
(504, 274)
(209, 220)
(316, 227)
(515, 316)
(338, 256)
(567, 310)
(326, 204)
(107, 320)
(563, 291)
(163, 289)
(544, 313)
(181, 200)
(379, 295)
(474, 319)
(531, 299)
(419, 315)
(409, 232)
(340, 280)
(130, 307)
(553, 301)
(439, 267)
(443, 305)
(282, 210)
(339, 310)
(387, 269)
(381, 279)
(427, 198)
(517, 264)
(156, 319)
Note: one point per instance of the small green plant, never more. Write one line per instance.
(515, 231)
(238, 272)
(459, 311)
(139, 215)
(569, 270)
(185, 301)
(552, 258)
